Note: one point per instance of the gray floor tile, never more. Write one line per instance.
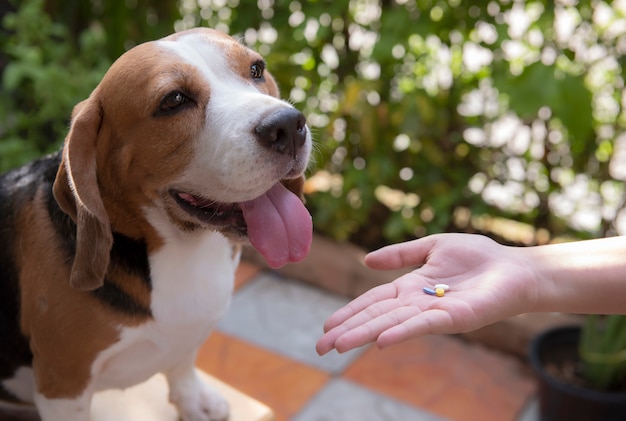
(342, 400)
(285, 316)
(530, 412)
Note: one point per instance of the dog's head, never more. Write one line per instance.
(185, 133)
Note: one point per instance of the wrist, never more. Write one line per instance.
(535, 275)
(579, 277)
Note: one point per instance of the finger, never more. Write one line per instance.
(356, 323)
(401, 255)
(426, 323)
(371, 330)
(325, 344)
(369, 298)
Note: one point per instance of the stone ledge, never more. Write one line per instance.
(339, 268)
(336, 267)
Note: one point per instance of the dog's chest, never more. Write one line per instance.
(192, 281)
(192, 286)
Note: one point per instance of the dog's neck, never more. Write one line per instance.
(128, 255)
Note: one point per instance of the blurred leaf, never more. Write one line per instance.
(407, 121)
(544, 86)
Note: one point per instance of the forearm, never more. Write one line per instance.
(579, 277)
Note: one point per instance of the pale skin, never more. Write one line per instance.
(488, 282)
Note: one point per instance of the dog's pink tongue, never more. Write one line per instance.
(279, 226)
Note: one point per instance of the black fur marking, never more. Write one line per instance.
(127, 254)
(63, 224)
(17, 187)
(130, 256)
(113, 296)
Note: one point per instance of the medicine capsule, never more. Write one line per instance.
(445, 287)
(439, 292)
(429, 291)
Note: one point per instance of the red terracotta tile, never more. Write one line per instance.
(284, 385)
(447, 377)
(245, 272)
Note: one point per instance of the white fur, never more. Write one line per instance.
(22, 384)
(75, 409)
(192, 281)
(227, 153)
(192, 274)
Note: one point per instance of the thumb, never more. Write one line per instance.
(401, 255)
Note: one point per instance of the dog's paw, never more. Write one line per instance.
(200, 403)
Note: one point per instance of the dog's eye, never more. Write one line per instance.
(257, 69)
(172, 101)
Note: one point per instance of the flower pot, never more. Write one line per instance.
(563, 401)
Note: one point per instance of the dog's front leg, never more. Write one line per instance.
(75, 409)
(194, 399)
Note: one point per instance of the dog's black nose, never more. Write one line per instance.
(283, 130)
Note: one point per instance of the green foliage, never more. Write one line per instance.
(603, 351)
(44, 78)
(424, 109)
(568, 96)
(421, 110)
(52, 64)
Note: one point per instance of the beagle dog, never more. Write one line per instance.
(117, 254)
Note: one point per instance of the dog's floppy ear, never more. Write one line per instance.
(296, 186)
(77, 192)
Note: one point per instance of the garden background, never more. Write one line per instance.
(502, 117)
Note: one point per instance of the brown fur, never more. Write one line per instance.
(64, 343)
(103, 152)
(114, 164)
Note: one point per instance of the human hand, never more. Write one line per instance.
(488, 282)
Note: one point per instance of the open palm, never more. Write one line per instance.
(487, 283)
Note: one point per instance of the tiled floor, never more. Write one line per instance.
(265, 347)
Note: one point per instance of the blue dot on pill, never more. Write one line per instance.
(430, 291)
